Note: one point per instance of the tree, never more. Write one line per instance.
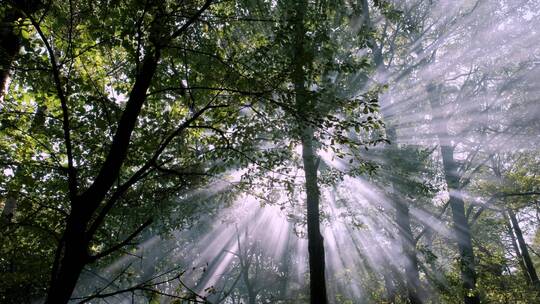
(310, 162)
(91, 198)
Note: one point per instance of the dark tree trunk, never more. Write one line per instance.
(409, 249)
(245, 265)
(461, 227)
(529, 266)
(317, 286)
(84, 218)
(315, 239)
(457, 205)
(517, 251)
(252, 297)
(72, 256)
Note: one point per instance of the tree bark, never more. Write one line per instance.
(408, 246)
(527, 261)
(252, 295)
(72, 251)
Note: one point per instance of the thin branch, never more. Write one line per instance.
(149, 287)
(72, 175)
(110, 169)
(191, 20)
(121, 244)
(143, 171)
(437, 217)
(492, 200)
(181, 88)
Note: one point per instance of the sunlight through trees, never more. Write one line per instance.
(269, 151)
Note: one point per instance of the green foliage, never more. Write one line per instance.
(223, 100)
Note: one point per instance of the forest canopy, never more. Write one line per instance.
(269, 151)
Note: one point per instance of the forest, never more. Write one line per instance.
(269, 151)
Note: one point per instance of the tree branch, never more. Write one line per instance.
(121, 244)
(426, 228)
(72, 175)
(115, 158)
(191, 20)
(143, 171)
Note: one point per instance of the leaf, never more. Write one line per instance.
(25, 34)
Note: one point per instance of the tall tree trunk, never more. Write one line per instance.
(252, 297)
(315, 239)
(457, 205)
(408, 246)
(310, 161)
(529, 266)
(86, 216)
(372, 44)
(72, 256)
(461, 227)
(516, 250)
